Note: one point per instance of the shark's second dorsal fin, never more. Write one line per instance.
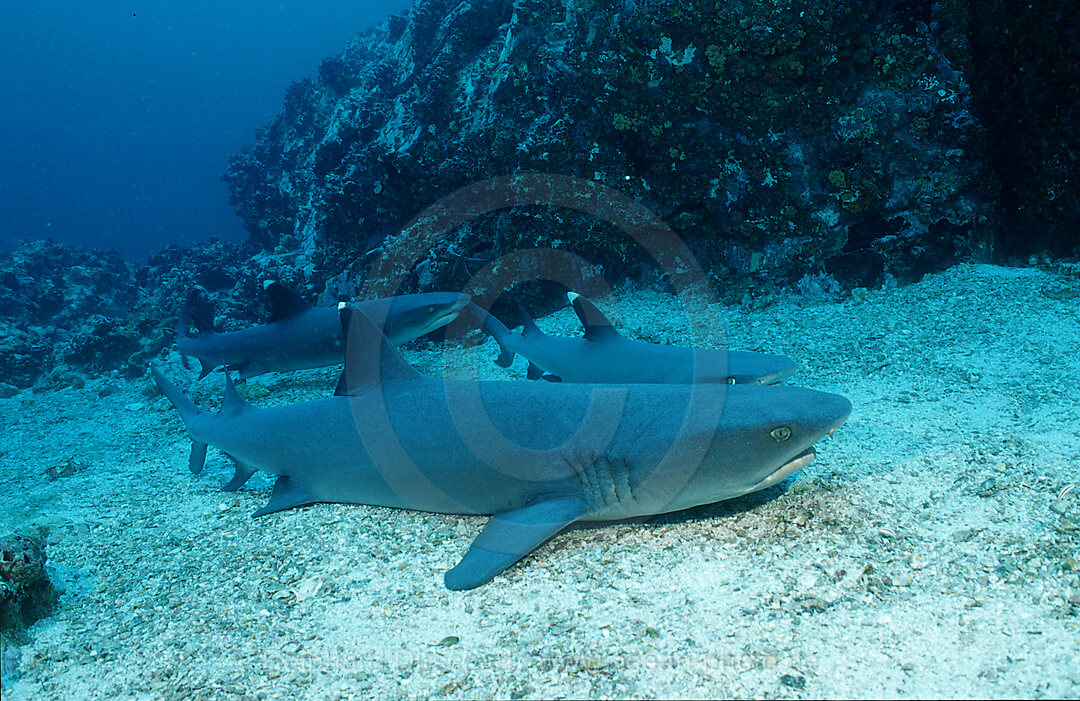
(528, 326)
(284, 303)
(369, 355)
(233, 403)
(597, 326)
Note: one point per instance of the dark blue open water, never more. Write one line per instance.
(117, 119)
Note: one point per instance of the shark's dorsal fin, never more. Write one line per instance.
(369, 355)
(510, 536)
(597, 326)
(284, 303)
(528, 326)
(233, 403)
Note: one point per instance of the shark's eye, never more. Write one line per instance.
(430, 309)
(780, 434)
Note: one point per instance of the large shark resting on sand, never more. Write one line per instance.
(302, 336)
(606, 356)
(538, 456)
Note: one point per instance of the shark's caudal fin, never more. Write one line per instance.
(185, 406)
(188, 411)
(189, 318)
(597, 327)
(232, 405)
(370, 358)
(284, 303)
(510, 536)
(497, 330)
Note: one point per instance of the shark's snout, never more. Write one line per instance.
(813, 415)
(782, 368)
(838, 408)
(417, 315)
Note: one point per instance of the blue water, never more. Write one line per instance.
(118, 119)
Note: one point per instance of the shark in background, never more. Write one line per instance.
(536, 456)
(302, 336)
(603, 355)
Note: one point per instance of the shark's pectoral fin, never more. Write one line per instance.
(240, 477)
(197, 458)
(510, 536)
(286, 495)
(534, 372)
(551, 378)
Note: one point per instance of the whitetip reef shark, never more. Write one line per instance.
(301, 336)
(536, 456)
(603, 355)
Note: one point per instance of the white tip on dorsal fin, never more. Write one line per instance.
(233, 403)
(370, 358)
(284, 303)
(597, 326)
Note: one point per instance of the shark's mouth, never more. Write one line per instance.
(787, 469)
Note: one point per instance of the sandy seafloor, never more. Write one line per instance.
(924, 553)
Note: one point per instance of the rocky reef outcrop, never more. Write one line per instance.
(1023, 63)
(811, 144)
(25, 591)
(66, 311)
(60, 303)
(776, 139)
(26, 594)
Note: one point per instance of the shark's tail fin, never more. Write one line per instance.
(188, 411)
(497, 330)
(190, 317)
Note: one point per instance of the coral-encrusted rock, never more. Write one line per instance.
(65, 310)
(777, 139)
(44, 282)
(228, 277)
(25, 591)
(1023, 62)
(25, 353)
(57, 297)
